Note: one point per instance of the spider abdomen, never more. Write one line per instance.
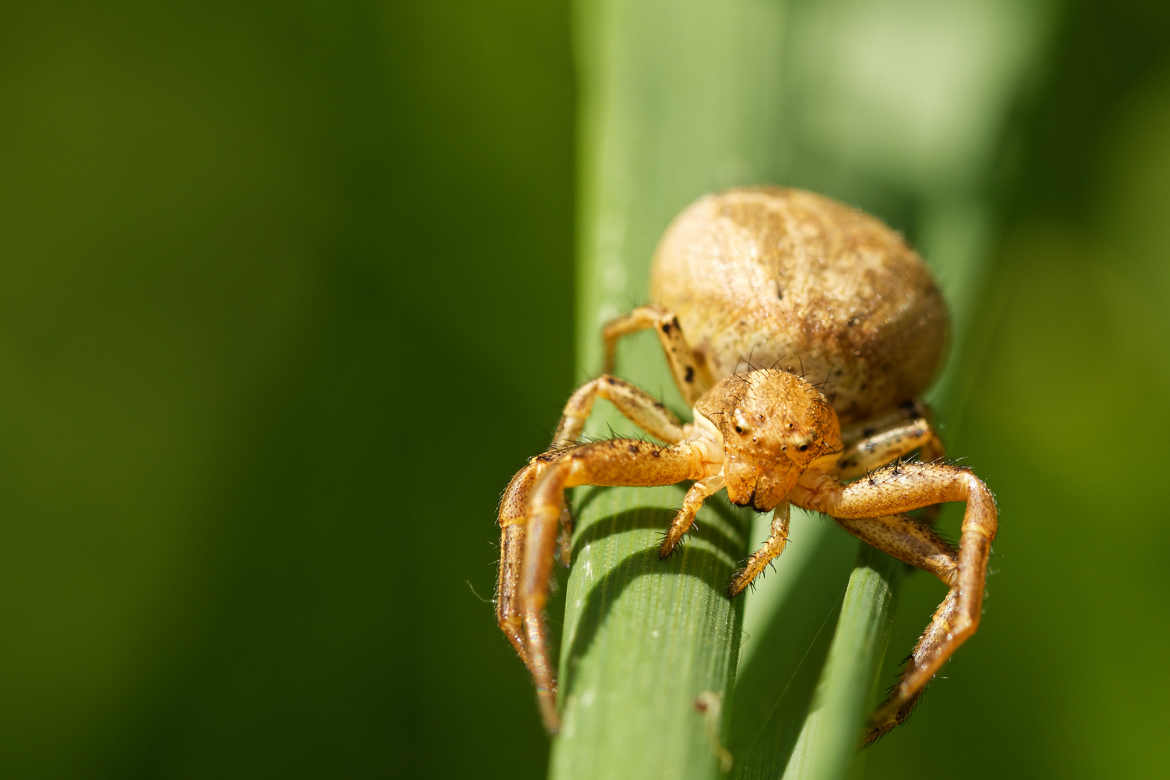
(792, 279)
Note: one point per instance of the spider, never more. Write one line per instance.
(819, 290)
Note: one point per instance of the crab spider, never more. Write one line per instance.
(770, 439)
(797, 281)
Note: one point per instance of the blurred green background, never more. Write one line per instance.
(287, 298)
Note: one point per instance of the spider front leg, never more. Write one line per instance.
(513, 520)
(691, 374)
(866, 507)
(639, 407)
(535, 502)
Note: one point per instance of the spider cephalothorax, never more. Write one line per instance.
(773, 426)
(794, 279)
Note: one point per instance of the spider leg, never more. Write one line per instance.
(901, 488)
(874, 444)
(508, 615)
(882, 444)
(911, 542)
(691, 374)
(636, 404)
(513, 521)
(513, 532)
(565, 538)
(903, 413)
(774, 545)
(916, 544)
(685, 517)
(535, 501)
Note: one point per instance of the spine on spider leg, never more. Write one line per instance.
(648, 643)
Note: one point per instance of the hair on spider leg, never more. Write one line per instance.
(475, 593)
(908, 708)
(662, 536)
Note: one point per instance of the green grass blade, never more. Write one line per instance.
(663, 121)
(789, 625)
(828, 742)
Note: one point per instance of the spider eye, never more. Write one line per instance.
(741, 423)
(803, 447)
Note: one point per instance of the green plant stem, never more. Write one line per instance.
(830, 734)
(662, 122)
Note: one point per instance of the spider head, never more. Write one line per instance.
(775, 426)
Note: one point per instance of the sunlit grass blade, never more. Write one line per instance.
(677, 99)
(830, 736)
